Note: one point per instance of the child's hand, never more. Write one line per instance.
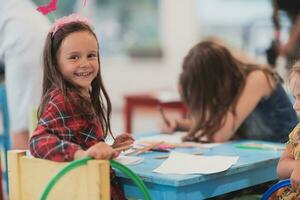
(170, 127)
(123, 140)
(295, 177)
(100, 151)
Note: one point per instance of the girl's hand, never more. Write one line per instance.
(123, 140)
(295, 178)
(100, 151)
(285, 49)
(170, 127)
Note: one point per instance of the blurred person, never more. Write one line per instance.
(23, 31)
(291, 49)
(231, 97)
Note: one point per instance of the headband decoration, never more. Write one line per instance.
(58, 24)
(51, 6)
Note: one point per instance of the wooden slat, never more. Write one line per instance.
(14, 177)
(97, 173)
(29, 176)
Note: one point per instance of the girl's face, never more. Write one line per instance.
(77, 59)
(295, 87)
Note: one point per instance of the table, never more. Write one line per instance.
(253, 167)
(147, 100)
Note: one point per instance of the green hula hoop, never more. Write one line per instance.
(77, 163)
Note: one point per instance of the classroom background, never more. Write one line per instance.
(143, 42)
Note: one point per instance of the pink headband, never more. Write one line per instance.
(58, 24)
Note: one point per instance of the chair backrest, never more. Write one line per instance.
(274, 188)
(29, 176)
(32, 121)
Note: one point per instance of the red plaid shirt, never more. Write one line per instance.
(62, 130)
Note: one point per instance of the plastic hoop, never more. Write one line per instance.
(77, 163)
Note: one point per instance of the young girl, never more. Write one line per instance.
(73, 120)
(289, 163)
(230, 98)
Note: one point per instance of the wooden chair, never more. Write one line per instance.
(29, 176)
(33, 121)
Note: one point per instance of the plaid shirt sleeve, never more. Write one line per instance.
(52, 138)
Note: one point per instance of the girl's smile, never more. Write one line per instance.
(78, 59)
(83, 74)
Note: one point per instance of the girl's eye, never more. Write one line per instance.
(92, 55)
(74, 57)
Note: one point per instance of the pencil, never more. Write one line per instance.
(146, 148)
(164, 117)
(241, 146)
(123, 147)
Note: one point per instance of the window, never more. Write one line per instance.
(244, 24)
(124, 28)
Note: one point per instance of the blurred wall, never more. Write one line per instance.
(179, 31)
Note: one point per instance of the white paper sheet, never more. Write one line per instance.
(182, 163)
(129, 160)
(175, 138)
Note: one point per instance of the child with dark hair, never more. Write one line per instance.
(231, 98)
(74, 114)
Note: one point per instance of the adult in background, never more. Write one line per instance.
(291, 49)
(23, 31)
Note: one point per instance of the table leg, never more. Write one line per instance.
(128, 116)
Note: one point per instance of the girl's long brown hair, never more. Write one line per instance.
(211, 83)
(101, 105)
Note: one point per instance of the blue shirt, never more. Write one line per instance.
(272, 119)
